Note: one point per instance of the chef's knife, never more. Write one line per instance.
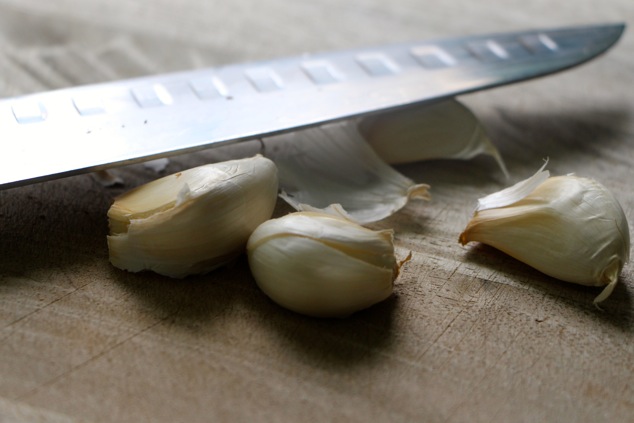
(69, 131)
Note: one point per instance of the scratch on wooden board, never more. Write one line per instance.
(12, 411)
(452, 415)
(465, 305)
(92, 358)
(19, 319)
(123, 58)
(38, 70)
(444, 330)
(16, 79)
(43, 307)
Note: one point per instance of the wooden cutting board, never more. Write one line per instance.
(470, 335)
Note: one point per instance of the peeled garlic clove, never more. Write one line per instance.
(568, 227)
(333, 164)
(443, 130)
(193, 221)
(322, 265)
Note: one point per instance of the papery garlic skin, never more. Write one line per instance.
(441, 130)
(193, 221)
(333, 164)
(322, 265)
(568, 227)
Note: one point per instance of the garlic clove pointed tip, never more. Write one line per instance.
(419, 192)
(463, 238)
(605, 293)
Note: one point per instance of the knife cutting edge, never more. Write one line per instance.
(94, 127)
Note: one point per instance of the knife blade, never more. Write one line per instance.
(81, 129)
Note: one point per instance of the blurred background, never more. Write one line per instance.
(62, 42)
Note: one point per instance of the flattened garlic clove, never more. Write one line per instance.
(568, 227)
(322, 265)
(193, 221)
(443, 130)
(333, 164)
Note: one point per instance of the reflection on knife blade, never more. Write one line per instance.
(87, 128)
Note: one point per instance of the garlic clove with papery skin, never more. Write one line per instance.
(193, 221)
(568, 227)
(442, 130)
(322, 265)
(333, 164)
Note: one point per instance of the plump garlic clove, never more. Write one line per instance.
(443, 130)
(193, 221)
(333, 164)
(568, 227)
(322, 265)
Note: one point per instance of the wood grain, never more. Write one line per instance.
(470, 334)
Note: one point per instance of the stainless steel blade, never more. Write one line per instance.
(69, 131)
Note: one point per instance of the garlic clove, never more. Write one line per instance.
(193, 221)
(333, 164)
(568, 227)
(322, 265)
(108, 178)
(157, 165)
(442, 130)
